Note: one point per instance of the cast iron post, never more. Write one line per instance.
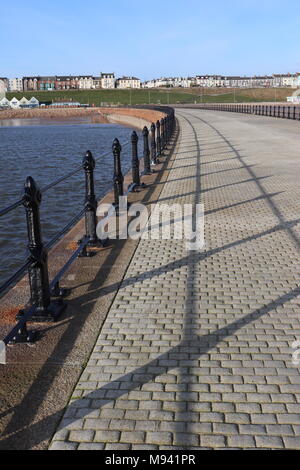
(158, 139)
(146, 152)
(90, 205)
(135, 160)
(162, 133)
(153, 145)
(44, 309)
(118, 176)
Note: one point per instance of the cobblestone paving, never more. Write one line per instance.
(196, 351)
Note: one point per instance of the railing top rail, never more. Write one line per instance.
(11, 207)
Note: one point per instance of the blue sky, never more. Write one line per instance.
(149, 38)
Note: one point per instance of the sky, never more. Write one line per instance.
(149, 39)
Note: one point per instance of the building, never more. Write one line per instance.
(3, 87)
(85, 82)
(290, 80)
(33, 103)
(96, 83)
(15, 84)
(107, 80)
(4, 103)
(14, 103)
(128, 82)
(67, 82)
(24, 103)
(30, 83)
(46, 83)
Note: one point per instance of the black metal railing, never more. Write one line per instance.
(284, 111)
(47, 298)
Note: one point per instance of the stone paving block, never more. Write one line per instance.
(159, 437)
(136, 437)
(112, 446)
(211, 441)
(225, 428)
(186, 439)
(291, 418)
(82, 436)
(263, 418)
(242, 442)
(61, 445)
(269, 442)
(107, 436)
(292, 442)
(91, 446)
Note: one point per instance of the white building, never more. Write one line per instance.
(15, 84)
(3, 87)
(4, 103)
(14, 103)
(86, 82)
(128, 82)
(96, 83)
(290, 80)
(33, 103)
(24, 103)
(107, 80)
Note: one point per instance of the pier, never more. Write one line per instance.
(188, 349)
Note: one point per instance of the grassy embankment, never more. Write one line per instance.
(163, 96)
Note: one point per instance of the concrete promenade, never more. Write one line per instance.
(196, 350)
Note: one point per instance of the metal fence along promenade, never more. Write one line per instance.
(47, 299)
(276, 111)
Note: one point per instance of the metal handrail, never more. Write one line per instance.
(11, 207)
(43, 308)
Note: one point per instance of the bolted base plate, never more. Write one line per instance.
(54, 310)
(92, 244)
(24, 336)
(96, 244)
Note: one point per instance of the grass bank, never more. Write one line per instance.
(160, 96)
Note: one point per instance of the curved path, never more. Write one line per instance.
(196, 351)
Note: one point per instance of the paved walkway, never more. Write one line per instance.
(196, 351)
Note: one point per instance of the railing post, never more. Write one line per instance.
(118, 176)
(88, 164)
(294, 113)
(162, 133)
(146, 153)
(158, 140)
(166, 130)
(135, 160)
(153, 145)
(45, 310)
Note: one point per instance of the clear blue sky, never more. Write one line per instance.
(149, 38)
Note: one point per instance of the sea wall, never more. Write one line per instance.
(128, 116)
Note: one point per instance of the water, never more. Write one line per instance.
(47, 151)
